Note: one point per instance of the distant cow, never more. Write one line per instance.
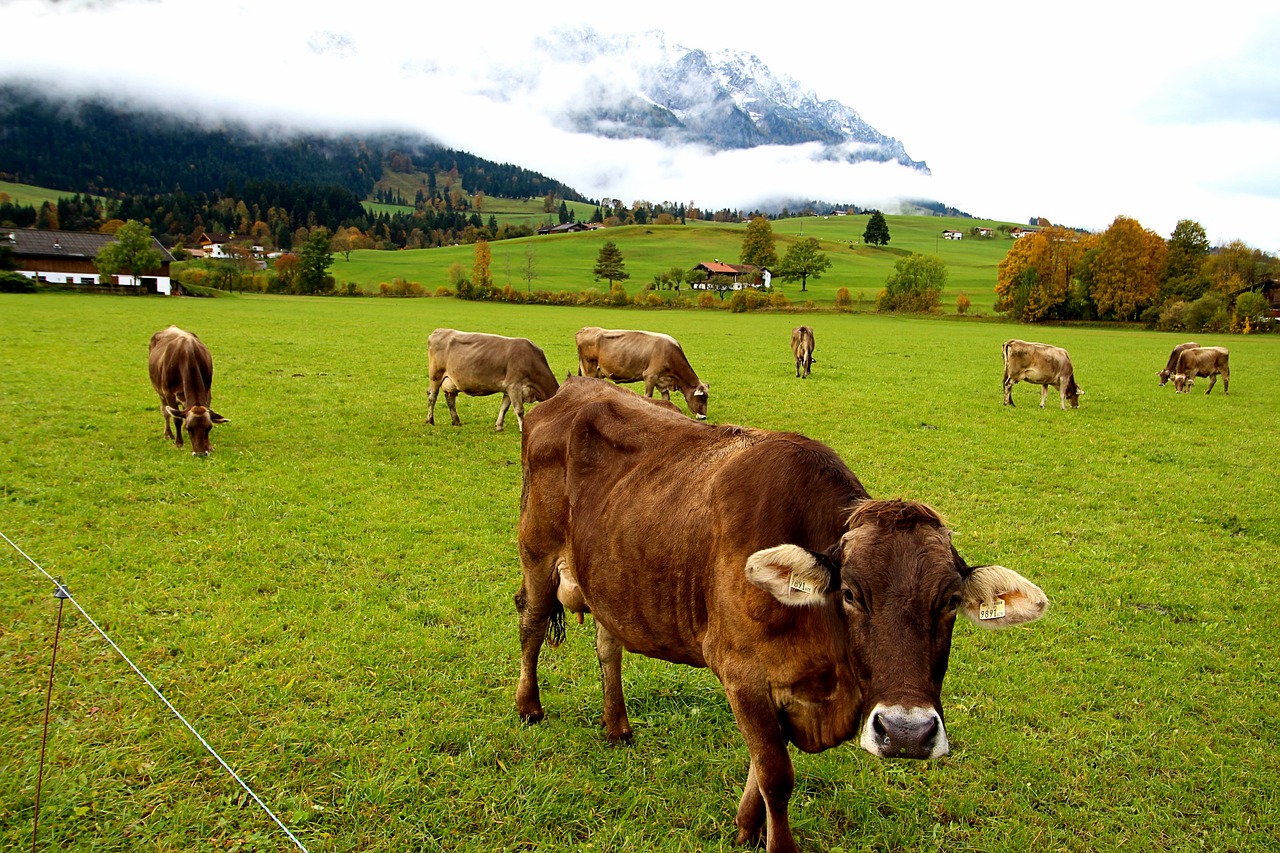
(1201, 361)
(1039, 364)
(802, 348)
(826, 615)
(624, 355)
(477, 365)
(181, 371)
(1172, 364)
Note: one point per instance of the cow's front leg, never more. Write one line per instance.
(502, 413)
(617, 728)
(763, 807)
(168, 428)
(433, 391)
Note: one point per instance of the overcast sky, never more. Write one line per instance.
(1075, 112)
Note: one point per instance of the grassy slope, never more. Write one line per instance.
(328, 597)
(564, 261)
(34, 196)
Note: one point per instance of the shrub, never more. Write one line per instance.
(844, 301)
(706, 300)
(915, 285)
(1253, 307)
(1208, 313)
(443, 291)
(617, 295)
(963, 303)
(12, 282)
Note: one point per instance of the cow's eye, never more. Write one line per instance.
(851, 598)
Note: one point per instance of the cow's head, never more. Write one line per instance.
(1180, 383)
(697, 401)
(1073, 392)
(893, 585)
(198, 420)
(1164, 377)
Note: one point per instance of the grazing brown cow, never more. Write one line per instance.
(1172, 364)
(181, 371)
(802, 348)
(1201, 361)
(624, 355)
(826, 615)
(1043, 365)
(477, 365)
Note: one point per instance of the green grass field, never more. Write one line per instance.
(34, 196)
(565, 261)
(328, 597)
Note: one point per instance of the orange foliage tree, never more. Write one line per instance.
(1126, 270)
(1033, 282)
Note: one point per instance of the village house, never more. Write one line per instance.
(953, 235)
(1017, 232)
(66, 257)
(563, 228)
(741, 275)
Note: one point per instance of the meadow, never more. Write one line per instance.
(565, 261)
(328, 596)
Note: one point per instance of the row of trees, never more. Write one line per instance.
(1128, 272)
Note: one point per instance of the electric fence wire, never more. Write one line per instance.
(69, 597)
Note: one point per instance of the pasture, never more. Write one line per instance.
(328, 596)
(564, 261)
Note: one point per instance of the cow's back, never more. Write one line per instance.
(717, 494)
(180, 367)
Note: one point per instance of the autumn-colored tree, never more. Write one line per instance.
(1033, 282)
(111, 226)
(1125, 273)
(286, 269)
(47, 218)
(1235, 266)
(481, 275)
(757, 245)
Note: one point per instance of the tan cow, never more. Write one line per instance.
(478, 364)
(802, 349)
(1171, 366)
(1039, 364)
(1201, 361)
(181, 371)
(827, 616)
(624, 355)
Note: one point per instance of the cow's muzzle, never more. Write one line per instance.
(899, 732)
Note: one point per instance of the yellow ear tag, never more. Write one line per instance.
(800, 585)
(991, 609)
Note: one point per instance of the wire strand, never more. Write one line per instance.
(156, 691)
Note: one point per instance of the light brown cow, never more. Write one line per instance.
(1201, 361)
(826, 615)
(477, 364)
(626, 355)
(802, 349)
(181, 371)
(1039, 364)
(1171, 366)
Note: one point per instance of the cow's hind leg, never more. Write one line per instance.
(451, 397)
(540, 613)
(502, 414)
(1226, 377)
(617, 728)
(1213, 377)
(433, 391)
(1008, 393)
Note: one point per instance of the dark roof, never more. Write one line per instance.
(30, 243)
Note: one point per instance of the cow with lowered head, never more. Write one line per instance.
(626, 355)
(802, 349)
(1043, 365)
(181, 371)
(826, 615)
(1172, 365)
(479, 364)
(1202, 361)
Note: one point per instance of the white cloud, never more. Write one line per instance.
(1075, 113)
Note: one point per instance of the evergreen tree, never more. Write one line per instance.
(877, 233)
(609, 264)
(315, 259)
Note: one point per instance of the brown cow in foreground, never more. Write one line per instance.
(802, 348)
(1039, 364)
(1201, 361)
(181, 371)
(1171, 366)
(826, 615)
(477, 364)
(624, 355)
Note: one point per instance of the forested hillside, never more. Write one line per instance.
(94, 147)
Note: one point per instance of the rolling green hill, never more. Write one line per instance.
(564, 261)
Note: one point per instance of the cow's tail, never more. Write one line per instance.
(1004, 351)
(555, 626)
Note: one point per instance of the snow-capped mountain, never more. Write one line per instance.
(643, 87)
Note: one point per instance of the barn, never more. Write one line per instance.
(66, 257)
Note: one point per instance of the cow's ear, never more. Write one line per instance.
(176, 414)
(996, 597)
(217, 418)
(793, 575)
